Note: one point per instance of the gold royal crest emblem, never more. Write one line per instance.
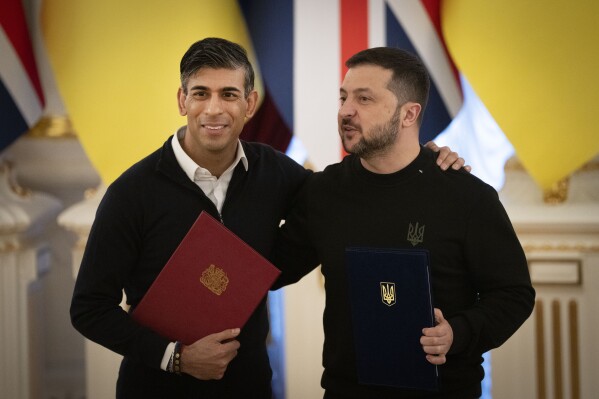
(388, 293)
(215, 279)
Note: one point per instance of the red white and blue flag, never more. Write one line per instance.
(414, 26)
(21, 94)
(270, 26)
(411, 25)
(328, 33)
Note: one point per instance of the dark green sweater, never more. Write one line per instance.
(479, 272)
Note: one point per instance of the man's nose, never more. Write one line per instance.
(214, 106)
(347, 110)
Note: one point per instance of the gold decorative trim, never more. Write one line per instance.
(514, 164)
(52, 126)
(573, 367)
(540, 347)
(557, 193)
(561, 247)
(558, 383)
(9, 246)
(6, 171)
(590, 166)
(555, 261)
(574, 350)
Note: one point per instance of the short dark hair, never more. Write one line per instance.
(410, 80)
(217, 53)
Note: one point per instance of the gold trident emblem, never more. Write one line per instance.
(388, 293)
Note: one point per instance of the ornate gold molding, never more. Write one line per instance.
(53, 126)
(552, 339)
(590, 166)
(6, 172)
(558, 193)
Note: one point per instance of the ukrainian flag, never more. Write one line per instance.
(116, 64)
(534, 65)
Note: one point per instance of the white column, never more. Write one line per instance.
(50, 159)
(304, 337)
(24, 260)
(552, 355)
(101, 364)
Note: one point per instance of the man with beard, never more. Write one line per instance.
(389, 183)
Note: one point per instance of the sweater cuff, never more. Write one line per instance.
(152, 348)
(461, 335)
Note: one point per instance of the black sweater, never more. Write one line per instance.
(479, 272)
(139, 223)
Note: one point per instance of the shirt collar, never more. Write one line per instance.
(189, 166)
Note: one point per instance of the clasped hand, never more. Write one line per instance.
(208, 358)
(437, 340)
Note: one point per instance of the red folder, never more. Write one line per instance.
(212, 282)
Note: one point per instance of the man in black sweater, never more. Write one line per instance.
(147, 211)
(387, 189)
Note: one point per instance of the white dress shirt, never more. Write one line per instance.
(214, 188)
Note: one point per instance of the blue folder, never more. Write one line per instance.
(391, 302)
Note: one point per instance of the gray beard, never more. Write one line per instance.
(380, 141)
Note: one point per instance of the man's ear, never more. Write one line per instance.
(181, 96)
(252, 101)
(411, 112)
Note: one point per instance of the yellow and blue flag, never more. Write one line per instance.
(116, 64)
(534, 67)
